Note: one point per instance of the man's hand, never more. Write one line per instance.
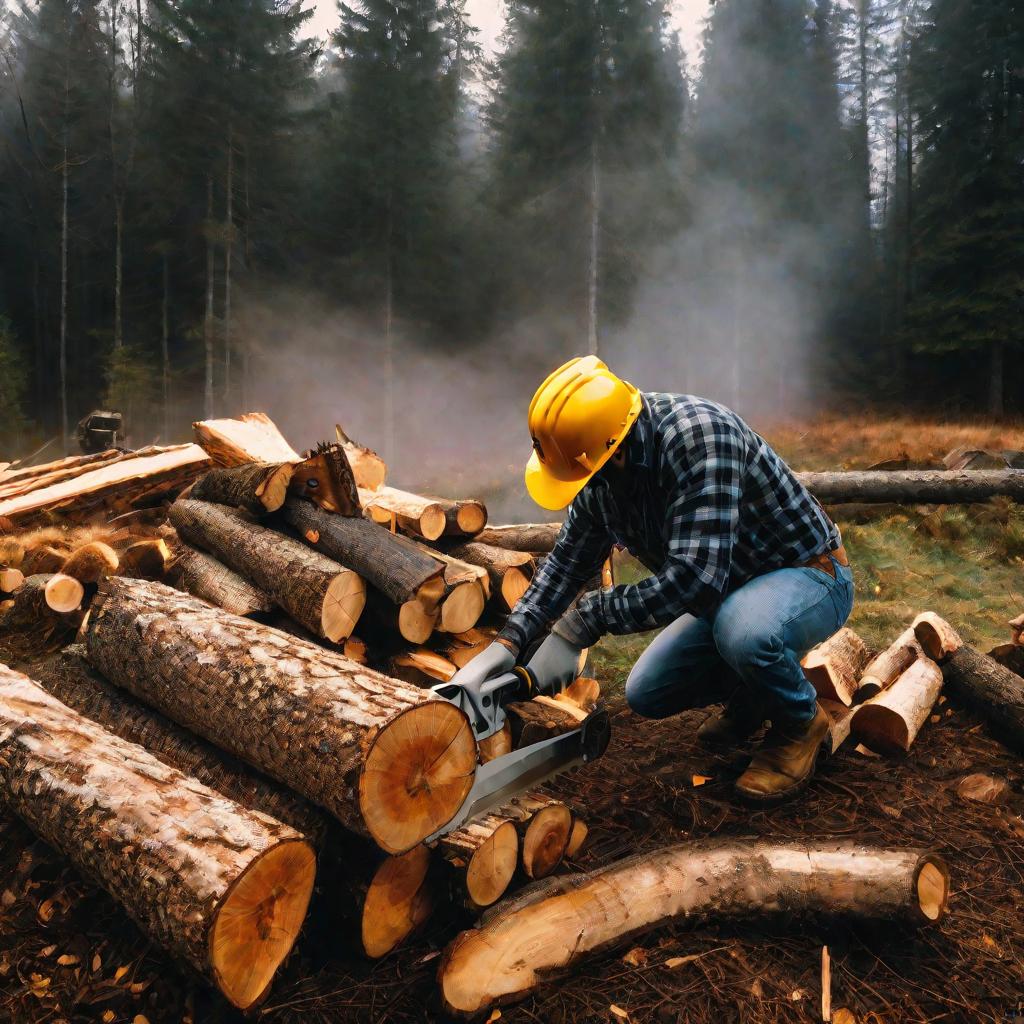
(493, 660)
(556, 663)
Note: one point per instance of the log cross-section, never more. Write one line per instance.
(220, 885)
(388, 760)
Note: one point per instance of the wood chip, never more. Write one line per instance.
(982, 788)
(619, 1012)
(636, 957)
(67, 960)
(700, 780)
(844, 1016)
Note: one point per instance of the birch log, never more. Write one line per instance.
(834, 666)
(924, 486)
(524, 942)
(221, 886)
(386, 759)
(890, 722)
(314, 590)
(884, 669)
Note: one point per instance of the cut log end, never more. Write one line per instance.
(546, 839)
(471, 517)
(937, 637)
(493, 866)
(273, 491)
(259, 920)
(932, 887)
(344, 601)
(431, 522)
(513, 585)
(462, 608)
(416, 775)
(398, 901)
(64, 593)
(415, 622)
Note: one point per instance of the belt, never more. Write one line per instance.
(824, 561)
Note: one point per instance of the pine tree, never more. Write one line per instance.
(13, 386)
(967, 82)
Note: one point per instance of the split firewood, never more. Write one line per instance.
(421, 667)
(252, 437)
(938, 639)
(44, 559)
(91, 562)
(410, 513)
(149, 475)
(461, 648)
(943, 487)
(10, 580)
(325, 478)
(394, 565)
(204, 577)
(482, 857)
(45, 599)
(510, 572)
(145, 559)
(376, 900)
(541, 718)
(884, 669)
(498, 744)
(318, 593)
(530, 537)
(1017, 629)
(840, 718)
(234, 884)
(989, 688)
(388, 760)
(577, 837)
(368, 467)
(254, 487)
(18, 480)
(527, 940)
(833, 667)
(890, 721)
(73, 681)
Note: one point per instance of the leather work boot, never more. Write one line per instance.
(741, 717)
(785, 761)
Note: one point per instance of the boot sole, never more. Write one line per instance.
(772, 799)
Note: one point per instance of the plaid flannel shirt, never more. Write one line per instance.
(704, 503)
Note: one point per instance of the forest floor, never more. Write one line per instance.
(68, 953)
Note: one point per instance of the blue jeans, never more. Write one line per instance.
(757, 638)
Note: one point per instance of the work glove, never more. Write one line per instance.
(556, 663)
(494, 660)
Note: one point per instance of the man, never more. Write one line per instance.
(748, 571)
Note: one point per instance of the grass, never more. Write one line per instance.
(964, 562)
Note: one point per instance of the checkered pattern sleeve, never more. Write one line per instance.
(706, 455)
(579, 552)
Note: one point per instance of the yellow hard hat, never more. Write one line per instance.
(578, 417)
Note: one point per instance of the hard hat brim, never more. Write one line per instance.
(546, 490)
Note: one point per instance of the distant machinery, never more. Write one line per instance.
(99, 431)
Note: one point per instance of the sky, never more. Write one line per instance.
(488, 16)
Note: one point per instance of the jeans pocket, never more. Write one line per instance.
(842, 593)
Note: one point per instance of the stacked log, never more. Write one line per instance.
(529, 537)
(203, 576)
(509, 572)
(234, 883)
(317, 592)
(419, 516)
(45, 602)
(255, 487)
(386, 759)
(834, 667)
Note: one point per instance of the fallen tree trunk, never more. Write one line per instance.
(221, 886)
(73, 681)
(530, 537)
(510, 572)
(834, 666)
(889, 722)
(989, 688)
(884, 669)
(315, 591)
(401, 570)
(255, 487)
(386, 759)
(524, 942)
(945, 487)
(203, 576)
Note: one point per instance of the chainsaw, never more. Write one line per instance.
(504, 777)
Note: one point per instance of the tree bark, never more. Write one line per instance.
(989, 688)
(229, 240)
(833, 667)
(73, 681)
(202, 576)
(884, 669)
(922, 486)
(510, 572)
(318, 593)
(525, 941)
(234, 884)
(889, 723)
(257, 488)
(44, 600)
(394, 565)
(532, 537)
(384, 758)
(165, 346)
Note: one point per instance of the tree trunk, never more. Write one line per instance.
(318, 593)
(398, 568)
(208, 312)
(532, 537)
(995, 380)
(204, 577)
(234, 884)
(73, 681)
(229, 239)
(833, 667)
(889, 723)
(990, 689)
(938, 486)
(526, 941)
(118, 272)
(165, 348)
(384, 758)
(510, 572)
(256, 487)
